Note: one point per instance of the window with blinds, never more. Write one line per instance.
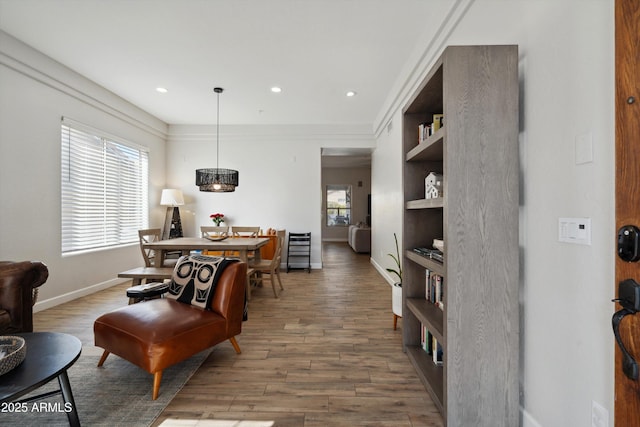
(104, 190)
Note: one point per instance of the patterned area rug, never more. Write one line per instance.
(118, 394)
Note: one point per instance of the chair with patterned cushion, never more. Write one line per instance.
(204, 306)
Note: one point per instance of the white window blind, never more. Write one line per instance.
(104, 190)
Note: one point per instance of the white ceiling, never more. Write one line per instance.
(315, 50)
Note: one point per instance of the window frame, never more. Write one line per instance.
(346, 209)
(104, 189)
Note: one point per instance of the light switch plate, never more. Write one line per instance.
(574, 230)
(584, 149)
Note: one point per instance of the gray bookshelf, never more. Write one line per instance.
(476, 150)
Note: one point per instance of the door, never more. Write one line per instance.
(627, 116)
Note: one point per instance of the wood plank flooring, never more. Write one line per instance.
(323, 354)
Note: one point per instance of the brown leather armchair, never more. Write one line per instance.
(19, 282)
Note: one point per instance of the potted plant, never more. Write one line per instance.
(396, 288)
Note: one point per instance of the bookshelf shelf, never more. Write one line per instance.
(426, 203)
(430, 315)
(426, 263)
(429, 149)
(476, 152)
(430, 374)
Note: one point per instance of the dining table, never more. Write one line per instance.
(241, 245)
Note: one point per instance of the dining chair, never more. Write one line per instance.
(149, 235)
(240, 231)
(245, 231)
(270, 266)
(214, 231)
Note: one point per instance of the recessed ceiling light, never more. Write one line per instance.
(161, 90)
(351, 93)
(276, 89)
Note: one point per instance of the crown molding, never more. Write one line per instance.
(24, 60)
(338, 133)
(416, 71)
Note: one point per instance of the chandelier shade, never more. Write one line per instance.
(216, 180)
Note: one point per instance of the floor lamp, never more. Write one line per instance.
(172, 225)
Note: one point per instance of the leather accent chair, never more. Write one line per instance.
(19, 282)
(159, 333)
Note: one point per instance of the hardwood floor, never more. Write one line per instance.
(323, 354)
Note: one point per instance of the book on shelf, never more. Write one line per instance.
(438, 121)
(436, 351)
(427, 284)
(426, 339)
(434, 289)
(427, 129)
(430, 345)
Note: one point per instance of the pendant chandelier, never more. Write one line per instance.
(217, 180)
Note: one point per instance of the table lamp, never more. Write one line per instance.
(172, 198)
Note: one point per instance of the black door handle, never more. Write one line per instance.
(629, 365)
(629, 298)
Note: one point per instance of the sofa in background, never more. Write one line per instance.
(360, 238)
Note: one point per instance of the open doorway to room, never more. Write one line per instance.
(346, 196)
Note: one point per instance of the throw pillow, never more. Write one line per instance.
(195, 278)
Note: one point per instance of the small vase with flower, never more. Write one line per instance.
(217, 218)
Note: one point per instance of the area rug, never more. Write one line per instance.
(117, 394)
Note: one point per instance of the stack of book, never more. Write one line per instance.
(426, 129)
(430, 345)
(434, 289)
(430, 253)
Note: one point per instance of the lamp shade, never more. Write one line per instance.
(171, 197)
(217, 180)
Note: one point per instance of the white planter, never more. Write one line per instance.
(396, 299)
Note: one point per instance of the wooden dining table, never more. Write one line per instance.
(241, 245)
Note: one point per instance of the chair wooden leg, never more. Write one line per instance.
(157, 377)
(103, 358)
(273, 283)
(248, 288)
(395, 321)
(279, 280)
(235, 345)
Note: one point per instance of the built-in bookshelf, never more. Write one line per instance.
(464, 342)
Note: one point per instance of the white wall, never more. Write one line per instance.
(566, 66)
(348, 176)
(279, 168)
(567, 89)
(386, 196)
(35, 92)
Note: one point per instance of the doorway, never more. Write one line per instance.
(345, 171)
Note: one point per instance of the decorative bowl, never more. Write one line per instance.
(12, 352)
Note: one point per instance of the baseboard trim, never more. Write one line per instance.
(382, 271)
(70, 296)
(528, 420)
